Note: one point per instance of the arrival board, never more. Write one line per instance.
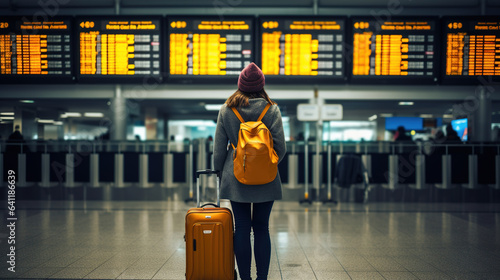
(208, 46)
(401, 49)
(472, 48)
(35, 51)
(292, 48)
(124, 48)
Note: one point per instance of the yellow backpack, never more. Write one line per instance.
(255, 160)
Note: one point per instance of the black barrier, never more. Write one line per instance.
(380, 168)
(155, 167)
(33, 167)
(82, 167)
(434, 168)
(106, 167)
(179, 167)
(131, 167)
(486, 165)
(302, 167)
(324, 167)
(58, 167)
(283, 169)
(10, 161)
(407, 168)
(460, 168)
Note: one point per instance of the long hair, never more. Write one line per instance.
(240, 98)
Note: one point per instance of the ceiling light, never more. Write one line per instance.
(386, 115)
(372, 118)
(406, 103)
(7, 118)
(71, 115)
(426, 116)
(45, 121)
(7, 113)
(58, 123)
(93, 115)
(213, 107)
(27, 101)
(448, 116)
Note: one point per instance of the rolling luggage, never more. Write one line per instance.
(209, 239)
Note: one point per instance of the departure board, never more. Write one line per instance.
(403, 49)
(299, 49)
(119, 48)
(472, 48)
(35, 51)
(202, 47)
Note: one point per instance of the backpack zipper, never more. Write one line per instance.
(244, 160)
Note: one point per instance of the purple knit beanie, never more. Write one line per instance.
(251, 79)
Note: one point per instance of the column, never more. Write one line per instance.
(151, 122)
(119, 116)
(482, 118)
(479, 118)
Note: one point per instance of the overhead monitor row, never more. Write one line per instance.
(289, 49)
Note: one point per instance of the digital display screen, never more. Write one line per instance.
(460, 126)
(400, 49)
(124, 48)
(296, 47)
(208, 46)
(409, 123)
(34, 50)
(472, 47)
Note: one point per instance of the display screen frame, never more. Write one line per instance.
(297, 79)
(122, 79)
(389, 79)
(462, 80)
(204, 79)
(43, 79)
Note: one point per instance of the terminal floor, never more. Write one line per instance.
(144, 240)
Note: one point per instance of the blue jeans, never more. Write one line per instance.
(262, 242)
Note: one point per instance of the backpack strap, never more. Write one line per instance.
(264, 112)
(237, 114)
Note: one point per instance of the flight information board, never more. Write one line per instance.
(119, 48)
(472, 48)
(35, 51)
(302, 48)
(403, 49)
(209, 47)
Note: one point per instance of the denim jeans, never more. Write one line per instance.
(259, 221)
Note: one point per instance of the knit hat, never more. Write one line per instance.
(251, 79)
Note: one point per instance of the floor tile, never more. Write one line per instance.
(398, 275)
(72, 273)
(355, 275)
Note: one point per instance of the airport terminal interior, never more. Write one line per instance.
(390, 112)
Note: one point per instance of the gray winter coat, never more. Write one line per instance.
(228, 126)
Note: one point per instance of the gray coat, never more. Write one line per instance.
(228, 126)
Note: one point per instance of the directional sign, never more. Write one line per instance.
(331, 112)
(308, 112)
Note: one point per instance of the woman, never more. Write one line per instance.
(250, 100)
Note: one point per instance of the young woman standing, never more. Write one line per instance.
(250, 100)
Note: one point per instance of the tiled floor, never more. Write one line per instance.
(144, 240)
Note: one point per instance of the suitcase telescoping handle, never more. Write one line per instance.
(209, 172)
